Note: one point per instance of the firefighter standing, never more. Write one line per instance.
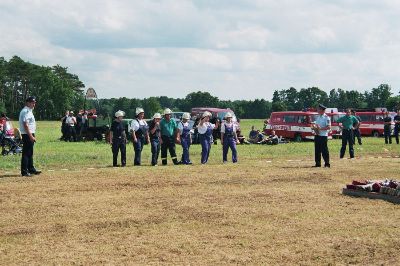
(118, 139)
(169, 134)
(397, 126)
(186, 139)
(229, 138)
(140, 134)
(154, 133)
(348, 121)
(321, 127)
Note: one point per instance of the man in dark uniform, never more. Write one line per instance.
(397, 126)
(347, 121)
(27, 125)
(321, 127)
(356, 129)
(118, 139)
(169, 134)
(387, 128)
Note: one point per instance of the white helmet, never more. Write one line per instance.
(139, 110)
(157, 115)
(228, 114)
(186, 116)
(206, 113)
(119, 113)
(167, 111)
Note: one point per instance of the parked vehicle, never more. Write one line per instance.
(216, 112)
(372, 122)
(336, 131)
(294, 125)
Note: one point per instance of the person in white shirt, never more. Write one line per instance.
(140, 135)
(229, 138)
(205, 129)
(186, 139)
(321, 127)
(71, 123)
(27, 126)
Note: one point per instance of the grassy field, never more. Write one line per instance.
(270, 208)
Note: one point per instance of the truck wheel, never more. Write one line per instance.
(99, 137)
(375, 134)
(298, 138)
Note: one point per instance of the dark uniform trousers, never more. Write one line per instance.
(388, 136)
(347, 137)
(119, 144)
(27, 155)
(138, 147)
(321, 147)
(357, 134)
(168, 143)
(396, 133)
(155, 150)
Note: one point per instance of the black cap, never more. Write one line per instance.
(321, 106)
(31, 99)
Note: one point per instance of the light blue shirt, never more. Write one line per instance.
(26, 116)
(323, 121)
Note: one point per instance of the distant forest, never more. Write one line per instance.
(57, 90)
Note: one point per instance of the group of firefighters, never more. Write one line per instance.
(163, 132)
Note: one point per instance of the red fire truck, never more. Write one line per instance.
(294, 125)
(336, 131)
(372, 122)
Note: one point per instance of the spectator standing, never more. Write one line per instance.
(356, 130)
(387, 128)
(27, 125)
(396, 120)
(71, 123)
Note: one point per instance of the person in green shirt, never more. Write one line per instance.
(348, 122)
(169, 134)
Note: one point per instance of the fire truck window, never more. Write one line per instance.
(302, 119)
(289, 119)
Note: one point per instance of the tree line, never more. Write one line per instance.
(57, 90)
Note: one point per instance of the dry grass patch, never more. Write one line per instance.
(251, 213)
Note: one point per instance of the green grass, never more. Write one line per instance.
(50, 153)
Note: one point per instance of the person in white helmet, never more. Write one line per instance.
(140, 134)
(205, 129)
(169, 135)
(155, 138)
(229, 138)
(186, 139)
(118, 138)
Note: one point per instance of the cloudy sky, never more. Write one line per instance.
(234, 49)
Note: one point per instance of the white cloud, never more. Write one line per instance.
(149, 48)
